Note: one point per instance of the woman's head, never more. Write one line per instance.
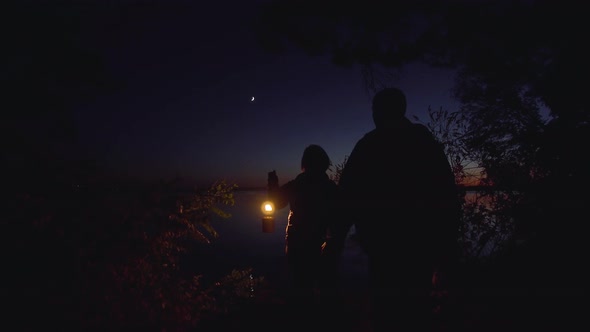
(315, 159)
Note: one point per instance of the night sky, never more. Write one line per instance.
(180, 77)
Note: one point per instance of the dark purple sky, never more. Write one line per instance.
(184, 74)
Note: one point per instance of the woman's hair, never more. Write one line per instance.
(315, 159)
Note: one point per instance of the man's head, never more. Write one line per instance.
(389, 106)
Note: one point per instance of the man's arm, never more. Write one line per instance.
(350, 190)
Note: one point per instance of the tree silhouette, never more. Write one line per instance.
(532, 47)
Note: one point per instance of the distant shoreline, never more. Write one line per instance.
(464, 188)
(250, 188)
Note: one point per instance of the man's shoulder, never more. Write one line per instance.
(422, 129)
(414, 131)
(369, 136)
(367, 141)
(422, 133)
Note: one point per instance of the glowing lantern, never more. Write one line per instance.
(268, 221)
(268, 208)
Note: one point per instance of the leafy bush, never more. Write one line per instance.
(112, 255)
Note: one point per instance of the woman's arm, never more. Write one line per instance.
(277, 194)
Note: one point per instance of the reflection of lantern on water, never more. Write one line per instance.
(268, 220)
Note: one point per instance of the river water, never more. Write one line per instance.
(242, 244)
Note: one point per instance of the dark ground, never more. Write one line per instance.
(481, 302)
(480, 310)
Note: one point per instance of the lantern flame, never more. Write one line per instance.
(268, 208)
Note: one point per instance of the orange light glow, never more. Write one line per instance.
(268, 208)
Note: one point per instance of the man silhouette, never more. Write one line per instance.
(400, 195)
